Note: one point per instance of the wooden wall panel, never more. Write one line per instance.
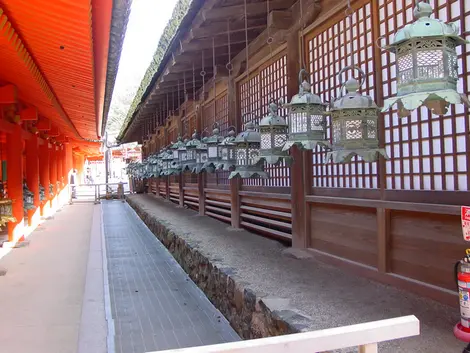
(348, 232)
(425, 246)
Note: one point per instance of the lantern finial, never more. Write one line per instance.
(427, 64)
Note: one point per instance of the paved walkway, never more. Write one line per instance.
(42, 292)
(155, 305)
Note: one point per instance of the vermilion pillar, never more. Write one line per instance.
(53, 171)
(68, 161)
(44, 175)
(32, 175)
(15, 182)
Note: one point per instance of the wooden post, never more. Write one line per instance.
(32, 176)
(15, 182)
(234, 120)
(383, 241)
(300, 175)
(53, 174)
(44, 175)
(235, 186)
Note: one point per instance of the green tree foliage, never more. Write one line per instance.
(179, 12)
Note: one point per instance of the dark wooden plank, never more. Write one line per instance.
(287, 216)
(266, 221)
(383, 239)
(269, 232)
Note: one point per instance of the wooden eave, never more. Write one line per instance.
(56, 54)
(197, 36)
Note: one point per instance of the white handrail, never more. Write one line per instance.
(365, 336)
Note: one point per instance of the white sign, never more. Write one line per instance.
(465, 216)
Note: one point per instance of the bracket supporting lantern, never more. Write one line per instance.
(306, 118)
(273, 131)
(247, 150)
(354, 123)
(427, 65)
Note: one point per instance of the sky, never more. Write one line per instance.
(147, 21)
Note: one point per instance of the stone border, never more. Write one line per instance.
(252, 315)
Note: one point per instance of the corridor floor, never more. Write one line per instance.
(155, 305)
(54, 294)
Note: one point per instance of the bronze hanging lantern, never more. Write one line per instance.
(191, 146)
(354, 124)
(247, 147)
(42, 193)
(176, 163)
(6, 212)
(427, 65)
(226, 152)
(201, 157)
(212, 143)
(306, 118)
(28, 198)
(167, 159)
(273, 131)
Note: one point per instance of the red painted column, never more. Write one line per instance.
(32, 176)
(15, 182)
(53, 172)
(44, 175)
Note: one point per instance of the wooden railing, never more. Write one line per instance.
(364, 336)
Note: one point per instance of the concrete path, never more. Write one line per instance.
(155, 305)
(42, 293)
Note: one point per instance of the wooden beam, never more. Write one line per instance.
(29, 114)
(43, 124)
(8, 94)
(280, 19)
(54, 131)
(221, 28)
(253, 9)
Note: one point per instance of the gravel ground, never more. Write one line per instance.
(328, 295)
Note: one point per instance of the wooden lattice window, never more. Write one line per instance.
(329, 50)
(427, 152)
(189, 124)
(270, 81)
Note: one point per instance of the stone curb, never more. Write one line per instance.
(252, 315)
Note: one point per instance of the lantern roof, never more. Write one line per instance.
(178, 144)
(425, 26)
(273, 119)
(194, 142)
(353, 99)
(215, 138)
(229, 139)
(305, 95)
(250, 135)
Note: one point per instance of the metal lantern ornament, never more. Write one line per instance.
(212, 143)
(427, 66)
(176, 154)
(249, 164)
(167, 159)
(306, 118)
(226, 152)
(354, 124)
(201, 157)
(28, 198)
(6, 211)
(191, 146)
(273, 131)
(42, 193)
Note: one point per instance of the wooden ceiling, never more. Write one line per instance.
(56, 54)
(213, 26)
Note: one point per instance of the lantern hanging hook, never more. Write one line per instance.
(350, 67)
(229, 65)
